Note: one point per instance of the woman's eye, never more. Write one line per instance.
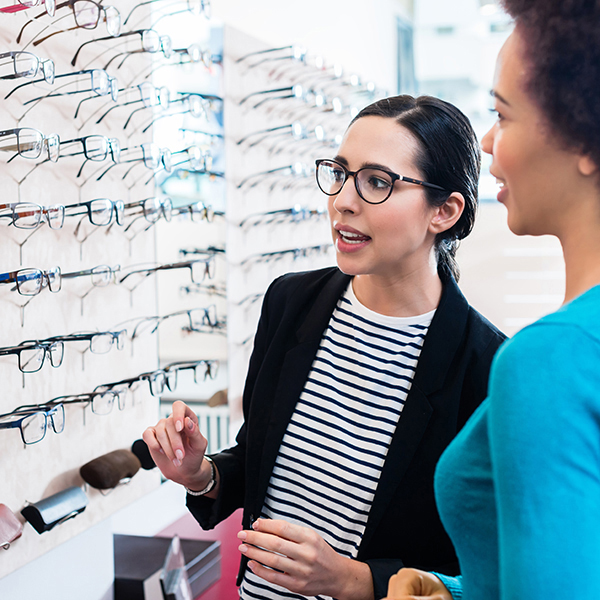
(338, 174)
(377, 183)
(495, 112)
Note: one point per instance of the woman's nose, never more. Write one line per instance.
(487, 142)
(347, 200)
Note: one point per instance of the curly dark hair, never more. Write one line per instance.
(561, 40)
(449, 156)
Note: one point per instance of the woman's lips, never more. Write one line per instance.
(350, 240)
(503, 191)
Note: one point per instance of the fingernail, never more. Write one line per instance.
(190, 424)
(243, 548)
(179, 454)
(242, 535)
(256, 524)
(177, 462)
(178, 426)
(161, 450)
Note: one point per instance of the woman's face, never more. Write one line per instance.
(535, 172)
(391, 239)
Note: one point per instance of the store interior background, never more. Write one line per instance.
(439, 47)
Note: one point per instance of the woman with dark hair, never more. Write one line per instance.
(360, 375)
(527, 464)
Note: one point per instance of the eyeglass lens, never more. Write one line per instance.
(373, 185)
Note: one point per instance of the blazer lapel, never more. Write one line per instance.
(292, 377)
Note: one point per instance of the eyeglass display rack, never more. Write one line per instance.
(33, 472)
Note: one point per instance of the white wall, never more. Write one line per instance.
(360, 36)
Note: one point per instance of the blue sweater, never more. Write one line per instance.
(518, 490)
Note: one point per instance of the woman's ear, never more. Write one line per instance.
(586, 165)
(446, 215)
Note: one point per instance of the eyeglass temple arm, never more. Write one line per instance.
(133, 112)
(139, 5)
(117, 105)
(102, 39)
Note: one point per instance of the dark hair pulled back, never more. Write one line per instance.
(449, 156)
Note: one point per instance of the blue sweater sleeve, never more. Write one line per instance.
(453, 584)
(544, 428)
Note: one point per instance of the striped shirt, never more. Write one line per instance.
(334, 448)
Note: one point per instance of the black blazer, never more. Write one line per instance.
(403, 528)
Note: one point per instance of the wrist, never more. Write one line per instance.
(356, 582)
(206, 481)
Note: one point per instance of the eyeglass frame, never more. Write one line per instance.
(42, 213)
(48, 412)
(394, 176)
(104, 9)
(43, 64)
(46, 345)
(43, 276)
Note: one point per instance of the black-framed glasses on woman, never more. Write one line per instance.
(32, 354)
(29, 143)
(87, 15)
(50, 6)
(374, 185)
(30, 281)
(28, 65)
(33, 422)
(27, 215)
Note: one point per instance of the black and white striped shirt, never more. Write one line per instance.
(332, 453)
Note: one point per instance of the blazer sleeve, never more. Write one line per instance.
(231, 463)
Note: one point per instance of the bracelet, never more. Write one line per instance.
(211, 484)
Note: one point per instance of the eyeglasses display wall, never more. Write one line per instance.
(82, 177)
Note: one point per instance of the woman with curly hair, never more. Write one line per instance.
(518, 490)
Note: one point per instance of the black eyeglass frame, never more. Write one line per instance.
(394, 177)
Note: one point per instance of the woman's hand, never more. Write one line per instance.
(411, 584)
(304, 562)
(178, 447)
